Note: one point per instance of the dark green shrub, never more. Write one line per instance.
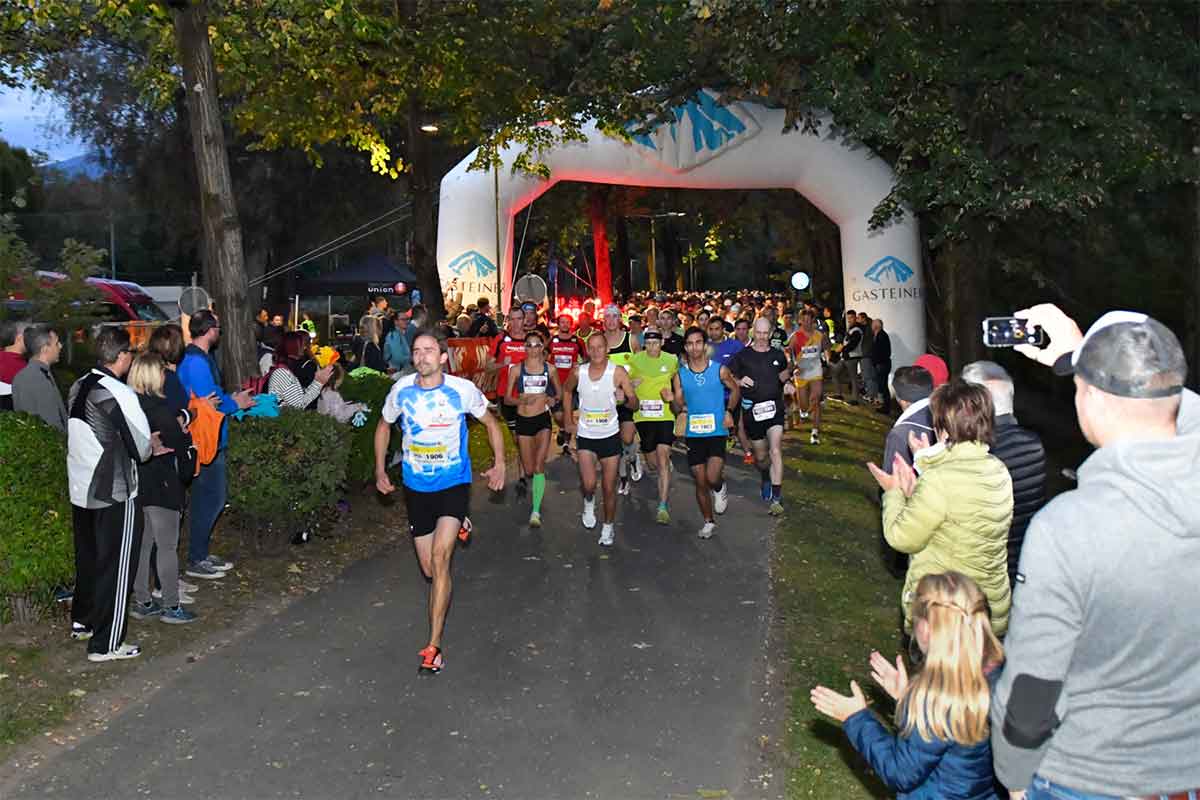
(372, 390)
(36, 547)
(285, 473)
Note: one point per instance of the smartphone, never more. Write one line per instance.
(1011, 331)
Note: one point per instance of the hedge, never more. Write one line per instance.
(372, 390)
(285, 473)
(37, 550)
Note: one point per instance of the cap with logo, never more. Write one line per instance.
(1130, 355)
(652, 335)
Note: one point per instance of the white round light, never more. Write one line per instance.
(800, 281)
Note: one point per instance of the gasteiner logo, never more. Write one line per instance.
(889, 265)
(472, 258)
(700, 130)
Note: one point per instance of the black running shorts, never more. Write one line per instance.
(532, 426)
(756, 430)
(654, 432)
(624, 413)
(425, 508)
(609, 447)
(702, 448)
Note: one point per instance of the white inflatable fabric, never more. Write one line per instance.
(708, 146)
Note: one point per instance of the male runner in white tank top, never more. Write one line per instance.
(601, 386)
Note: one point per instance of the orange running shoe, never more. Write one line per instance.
(748, 459)
(464, 533)
(431, 661)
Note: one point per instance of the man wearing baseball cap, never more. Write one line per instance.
(1100, 694)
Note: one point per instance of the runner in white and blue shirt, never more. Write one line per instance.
(432, 407)
(705, 391)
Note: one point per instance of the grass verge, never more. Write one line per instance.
(836, 600)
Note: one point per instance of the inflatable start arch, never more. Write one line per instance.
(706, 146)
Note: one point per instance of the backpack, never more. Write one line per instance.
(257, 384)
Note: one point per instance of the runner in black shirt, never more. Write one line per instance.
(762, 371)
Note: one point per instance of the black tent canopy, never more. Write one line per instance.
(372, 275)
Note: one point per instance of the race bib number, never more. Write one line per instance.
(701, 424)
(811, 351)
(763, 411)
(535, 384)
(435, 455)
(598, 418)
(564, 362)
(652, 408)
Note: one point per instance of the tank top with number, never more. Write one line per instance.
(598, 404)
(704, 396)
(806, 353)
(534, 382)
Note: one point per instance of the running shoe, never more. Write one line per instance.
(219, 564)
(431, 661)
(815, 438)
(185, 598)
(721, 499)
(776, 508)
(184, 586)
(748, 459)
(607, 535)
(804, 415)
(589, 513)
(177, 616)
(464, 531)
(623, 486)
(708, 530)
(635, 468)
(535, 520)
(145, 610)
(203, 569)
(124, 651)
(80, 632)
(663, 515)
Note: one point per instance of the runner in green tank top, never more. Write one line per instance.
(652, 372)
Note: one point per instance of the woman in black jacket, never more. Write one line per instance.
(161, 493)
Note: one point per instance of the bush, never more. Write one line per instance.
(285, 473)
(36, 546)
(372, 390)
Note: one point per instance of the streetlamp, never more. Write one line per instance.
(652, 265)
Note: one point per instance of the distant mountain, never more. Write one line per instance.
(88, 165)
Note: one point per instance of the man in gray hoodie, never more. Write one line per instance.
(1100, 694)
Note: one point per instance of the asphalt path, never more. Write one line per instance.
(572, 671)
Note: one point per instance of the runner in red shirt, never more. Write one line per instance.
(508, 349)
(564, 355)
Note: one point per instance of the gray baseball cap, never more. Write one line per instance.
(1130, 355)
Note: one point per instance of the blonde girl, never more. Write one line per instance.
(942, 749)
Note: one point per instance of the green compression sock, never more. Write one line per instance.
(539, 491)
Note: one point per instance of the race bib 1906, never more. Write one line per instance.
(428, 454)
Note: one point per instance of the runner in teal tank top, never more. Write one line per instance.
(700, 395)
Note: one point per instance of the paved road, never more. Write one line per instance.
(572, 672)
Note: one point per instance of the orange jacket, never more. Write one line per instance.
(205, 430)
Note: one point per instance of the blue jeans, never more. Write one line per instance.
(1042, 789)
(207, 503)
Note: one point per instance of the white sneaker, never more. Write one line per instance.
(606, 535)
(721, 499)
(708, 530)
(815, 438)
(124, 651)
(535, 520)
(623, 486)
(635, 470)
(803, 415)
(185, 599)
(184, 586)
(589, 513)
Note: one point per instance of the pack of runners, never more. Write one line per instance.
(651, 377)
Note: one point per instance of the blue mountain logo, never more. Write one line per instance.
(472, 258)
(889, 265)
(700, 130)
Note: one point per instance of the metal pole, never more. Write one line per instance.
(499, 265)
(653, 258)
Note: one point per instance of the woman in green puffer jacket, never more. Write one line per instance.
(955, 517)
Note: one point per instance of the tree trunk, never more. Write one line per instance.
(961, 292)
(621, 276)
(598, 212)
(421, 188)
(224, 268)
